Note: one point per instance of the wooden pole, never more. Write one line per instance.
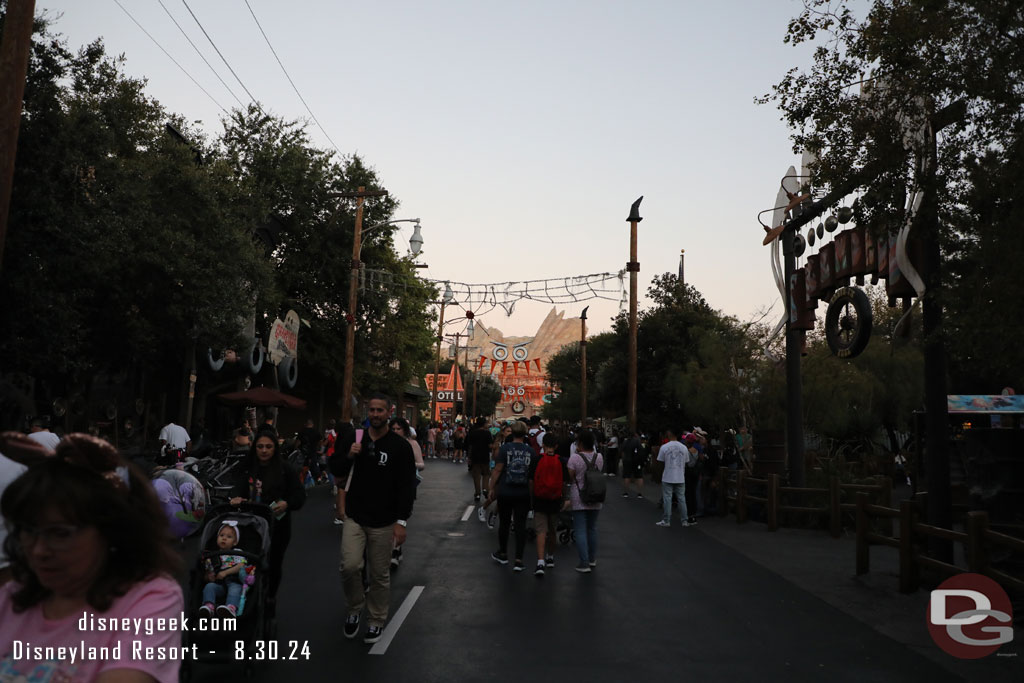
(908, 580)
(863, 527)
(353, 299)
(633, 266)
(583, 367)
(14, 50)
(437, 366)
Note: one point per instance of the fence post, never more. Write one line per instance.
(977, 557)
(863, 557)
(741, 505)
(834, 516)
(885, 500)
(773, 502)
(723, 492)
(908, 572)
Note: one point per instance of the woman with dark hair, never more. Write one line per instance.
(88, 543)
(400, 426)
(266, 477)
(584, 515)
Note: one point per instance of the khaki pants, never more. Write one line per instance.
(377, 543)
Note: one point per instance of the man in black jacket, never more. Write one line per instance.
(377, 507)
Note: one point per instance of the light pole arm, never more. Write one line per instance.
(367, 231)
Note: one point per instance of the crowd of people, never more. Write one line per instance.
(77, 496)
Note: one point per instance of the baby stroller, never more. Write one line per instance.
(253, 621)
(563, 528)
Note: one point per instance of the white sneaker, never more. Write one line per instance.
(481, 514)
(662, 522)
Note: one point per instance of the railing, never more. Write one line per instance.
(978, 540)
(769, 492)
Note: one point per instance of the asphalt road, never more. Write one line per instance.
(672, 603)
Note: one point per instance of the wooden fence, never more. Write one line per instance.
(978, 540)
(742, 489)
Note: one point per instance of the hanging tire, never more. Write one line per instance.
(848, 322)
(288, 372)
(253, 358)
(214, 362)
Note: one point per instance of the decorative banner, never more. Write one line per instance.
(515, 367)
(493, 363)
(480, 363)
(537, 361)
(504, 366)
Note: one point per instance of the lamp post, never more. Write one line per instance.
(633, 266)
(583, 366)
(415, 244)
(470, 331)
(446, 299)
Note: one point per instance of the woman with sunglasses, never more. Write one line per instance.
(88, 545)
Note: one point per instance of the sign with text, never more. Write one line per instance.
(450, 396)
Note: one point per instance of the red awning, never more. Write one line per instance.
(262, 396)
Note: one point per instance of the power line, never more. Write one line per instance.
(201, 56)
(183, 70)
(290, 78)
(219, 54)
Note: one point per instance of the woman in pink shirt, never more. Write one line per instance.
(92, 596)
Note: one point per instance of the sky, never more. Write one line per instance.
(520, 132)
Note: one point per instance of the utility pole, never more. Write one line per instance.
(353, 300)
(794, 378)
(437, 365)
(583, 366)
(14, 50)
(633, 266)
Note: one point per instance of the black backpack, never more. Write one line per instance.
(595, 487)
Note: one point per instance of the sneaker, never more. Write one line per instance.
(593, 564)
(549, 561)
(518, 566)
(228, 611)
(476, 499)
(492, 519)
(686, 524)
(583, 569)
(338, 521)
(206, 610)
(692, 521)
(625, 494)
(639, 495)
(373, 634)
(539, 571)
(662, 522)
(396, 558)
(481, 514)
(500, 558)
(352, 626)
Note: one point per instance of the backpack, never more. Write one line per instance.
(534, 442)
(594, 485)
(547, 480)
(517, 467)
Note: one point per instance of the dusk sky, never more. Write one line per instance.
(521, 132)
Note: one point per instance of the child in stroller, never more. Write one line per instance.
(227, 577)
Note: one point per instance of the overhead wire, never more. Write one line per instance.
(201, 56)
(222, 57)
(183, 69)
(288, 76)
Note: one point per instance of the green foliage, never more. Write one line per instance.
(873, 82)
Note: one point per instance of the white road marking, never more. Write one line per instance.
(468, 512)
(381, 646)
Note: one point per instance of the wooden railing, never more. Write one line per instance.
(741, 490)
(978, 540)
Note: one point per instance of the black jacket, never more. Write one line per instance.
(287, 486)
(383, 480)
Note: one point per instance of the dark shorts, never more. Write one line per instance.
(459, 443)
(632, 468)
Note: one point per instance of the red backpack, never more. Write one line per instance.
(547, 480)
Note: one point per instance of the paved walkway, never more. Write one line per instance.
(717, 602)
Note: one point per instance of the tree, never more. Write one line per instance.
(959, 64)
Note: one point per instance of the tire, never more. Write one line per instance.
(288, 372)
(254, 358)
(214, 363)
(848, 336)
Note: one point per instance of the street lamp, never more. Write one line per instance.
(448, 298)
(415, 244)
(583, 367)
(633, 266)
(469, 337)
